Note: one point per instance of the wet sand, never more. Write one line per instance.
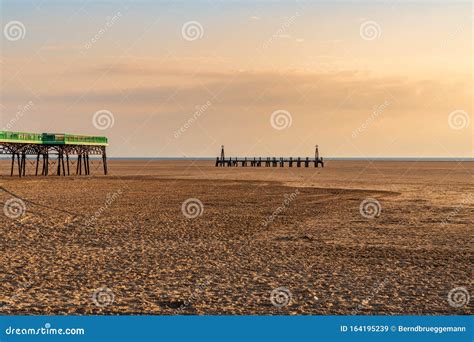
(264, 240)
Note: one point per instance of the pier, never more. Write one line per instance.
(53, 153)
(222, 161)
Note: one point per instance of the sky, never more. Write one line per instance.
(264, 78)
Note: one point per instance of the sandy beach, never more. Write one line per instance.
(184, 237)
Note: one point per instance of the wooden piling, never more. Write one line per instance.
(269, 161)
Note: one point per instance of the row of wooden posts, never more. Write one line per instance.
(270, 161)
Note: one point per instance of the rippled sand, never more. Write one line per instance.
(121, 244)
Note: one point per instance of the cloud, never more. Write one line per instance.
(342, 90)
(327, 106)
(56, 48)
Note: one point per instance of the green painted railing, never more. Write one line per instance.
(85, 139)
(21, 137)
(51, 139)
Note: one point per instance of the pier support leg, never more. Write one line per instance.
(13, 164)
(88, 165)
(104, 161)
(59, 164)
(62, 163)
(67, 163)
(37, 164)
(44, 163)
(23, 165)
(79, 167)
(47, 164)
(19, 164)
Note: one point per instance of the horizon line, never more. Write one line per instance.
(468, 159)
(326, 158)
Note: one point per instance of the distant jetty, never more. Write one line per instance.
(222, 161)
